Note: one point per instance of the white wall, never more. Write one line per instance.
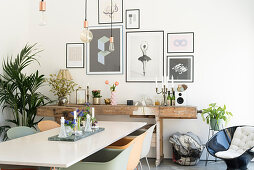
(14, 29)
(224, 38)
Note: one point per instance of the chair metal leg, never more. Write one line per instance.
(140, 164)
(147, 163)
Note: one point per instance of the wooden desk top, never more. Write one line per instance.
(165, 112)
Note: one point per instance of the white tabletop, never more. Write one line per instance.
(36, 150)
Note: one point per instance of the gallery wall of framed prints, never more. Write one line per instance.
(145, 57)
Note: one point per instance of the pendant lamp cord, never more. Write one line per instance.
(85, 10)
(111, 18)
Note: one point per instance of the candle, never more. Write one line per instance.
(167, 81)
(75, 115)
(87, 84)
(156, 83)
(92, 112)
(162, 81)
(172, 82)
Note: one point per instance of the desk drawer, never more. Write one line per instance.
(178, 112)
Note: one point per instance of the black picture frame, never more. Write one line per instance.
(126, 25)
(192, 51)
(108, 22)
(83, 56)
(181, 57)
(126, 59)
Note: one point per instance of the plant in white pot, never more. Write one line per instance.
(216, 116)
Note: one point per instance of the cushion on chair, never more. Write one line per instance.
(243, 140)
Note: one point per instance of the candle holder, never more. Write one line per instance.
(164, 92)
(87, 94)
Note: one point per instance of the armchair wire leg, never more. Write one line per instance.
(140, 165)
(147, 163)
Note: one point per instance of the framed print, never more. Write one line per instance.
(180, 42)
(181, 68)
(104, 11)
(99, 59)
(80, 96)
(132, 19)
(74, 55)
(144, 56)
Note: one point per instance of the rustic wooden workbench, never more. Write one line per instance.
(157, 112)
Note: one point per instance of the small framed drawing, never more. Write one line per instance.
(99, 59)
(104, 11)
(80, 96)
(74, 55)
(132, 19)
(181, 68)
(144, 56)
(182, 42)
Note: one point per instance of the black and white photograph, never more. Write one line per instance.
(100, 60)
(181, 68)
(182, 42)
(144, 55)
(74, 55)
(105, 13)
(132, 19)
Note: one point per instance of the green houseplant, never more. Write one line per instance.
(215, 115)
(61, 87)
(19, 91)
(96, 97)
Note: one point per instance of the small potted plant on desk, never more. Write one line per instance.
(96, 97)
(215, 115)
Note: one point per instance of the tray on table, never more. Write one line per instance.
(74, 138)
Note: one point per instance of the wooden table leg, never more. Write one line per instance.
(159, 141)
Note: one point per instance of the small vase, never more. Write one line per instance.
(96, 101)
(79, 124)
(113, 98)
(62, 101)
(216, 125)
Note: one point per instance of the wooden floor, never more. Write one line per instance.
(169, 165)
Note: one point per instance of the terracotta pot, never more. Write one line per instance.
(96, 101)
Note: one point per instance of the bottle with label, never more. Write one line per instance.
(173, 98)
(169, 99)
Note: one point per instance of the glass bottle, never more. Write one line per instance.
(169, 99)
(173, 99)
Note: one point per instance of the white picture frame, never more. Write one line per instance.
(112, 63)
(132, 19)
(104, 11)
(182, 42)
(136, 60)
(74, 55)
(181, 68)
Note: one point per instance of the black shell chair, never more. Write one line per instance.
(221, 142)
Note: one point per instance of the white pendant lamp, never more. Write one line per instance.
(42, 9)
(111, 40)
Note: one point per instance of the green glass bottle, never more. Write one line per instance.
(169, 99)
(173, 99)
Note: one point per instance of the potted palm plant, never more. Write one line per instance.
(19, 91)
(215, 116)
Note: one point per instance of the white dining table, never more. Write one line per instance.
(37, 150)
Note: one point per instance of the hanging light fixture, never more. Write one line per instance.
(86, 35)
(42, 10)
(111, 40)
